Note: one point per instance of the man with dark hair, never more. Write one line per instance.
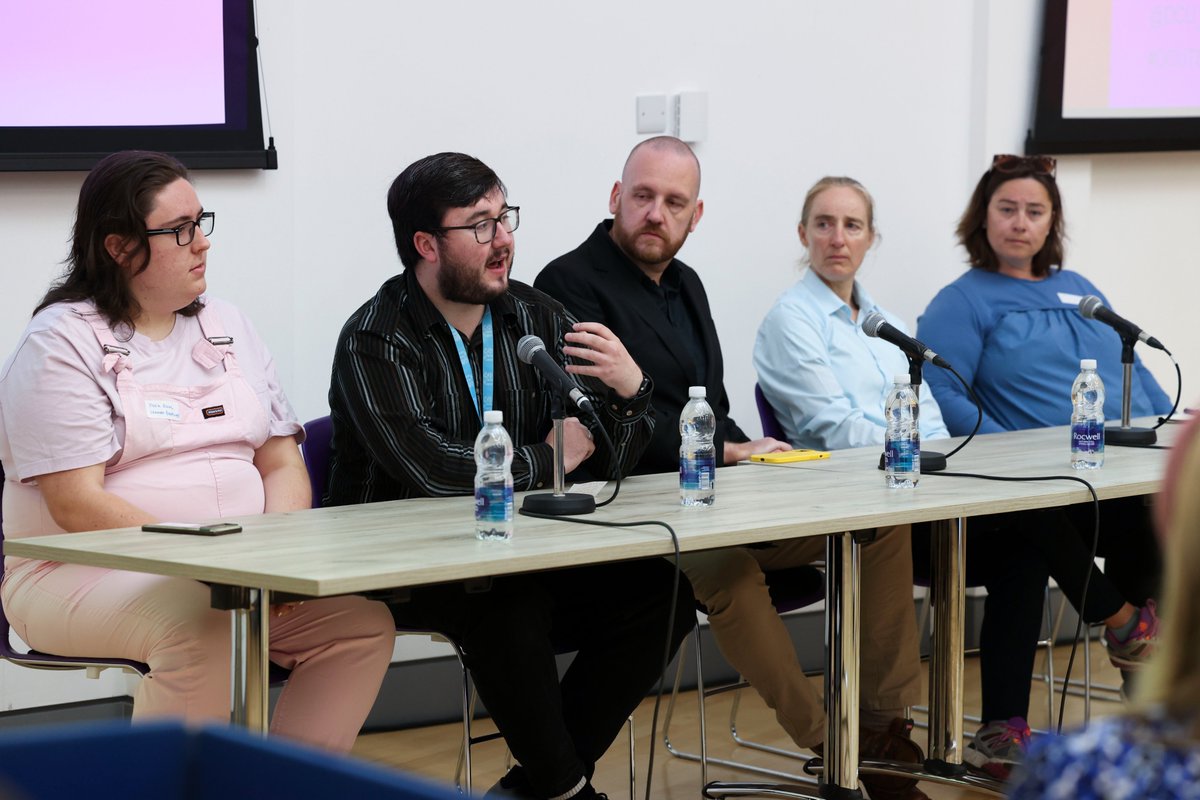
(414, 370)
(626, 276)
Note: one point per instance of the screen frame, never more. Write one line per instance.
(236, 144)
(1054, 134)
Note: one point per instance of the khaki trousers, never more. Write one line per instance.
(730, 583)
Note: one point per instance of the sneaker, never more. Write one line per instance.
(1133, 653)
(513, 786)
(998, 746)
(893, 744)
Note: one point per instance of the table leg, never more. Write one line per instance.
(842, 602)
(946, 658)
(251, 660)
(839, 776)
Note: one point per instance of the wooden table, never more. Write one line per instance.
(340, 550)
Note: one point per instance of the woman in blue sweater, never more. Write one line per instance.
(1012, 328)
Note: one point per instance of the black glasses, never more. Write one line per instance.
(1043, 165)
(186, 232)
(485, 229)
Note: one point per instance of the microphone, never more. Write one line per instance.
(1092, 308)
(531, 350)
(875, 325)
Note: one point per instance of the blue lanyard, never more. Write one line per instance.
(489, 367)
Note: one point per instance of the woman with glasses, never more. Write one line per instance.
(133, 398)
(1011, 327)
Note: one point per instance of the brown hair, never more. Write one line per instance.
(116, 197)
(972, 226)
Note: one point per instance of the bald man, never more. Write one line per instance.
(626, 276)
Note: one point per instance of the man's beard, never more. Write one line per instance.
(462, 283)
(628, 242)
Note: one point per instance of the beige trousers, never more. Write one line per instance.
(752, 637)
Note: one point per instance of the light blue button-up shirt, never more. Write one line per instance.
(826, 379)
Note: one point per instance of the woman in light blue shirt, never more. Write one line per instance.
(827, 382)
(824, 377)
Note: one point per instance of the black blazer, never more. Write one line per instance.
(597, 283)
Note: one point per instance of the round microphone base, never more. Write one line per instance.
(1130, 437)
(931, 461)
(559, 505)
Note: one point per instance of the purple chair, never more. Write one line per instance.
(317, 450)
(37, 660)
(766, 415)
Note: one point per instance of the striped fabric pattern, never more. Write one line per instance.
(404, 423)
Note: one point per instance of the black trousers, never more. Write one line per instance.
(614, 615)
(1012, 555)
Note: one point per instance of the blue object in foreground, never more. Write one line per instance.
(168, 761)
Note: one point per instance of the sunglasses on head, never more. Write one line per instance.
(1044, 165)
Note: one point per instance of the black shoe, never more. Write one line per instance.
(514, 785)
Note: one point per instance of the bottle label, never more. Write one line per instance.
(1087, 437)
(697, 474)
(900, 455)
(494, 503)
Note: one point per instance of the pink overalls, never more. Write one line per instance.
(188, 454)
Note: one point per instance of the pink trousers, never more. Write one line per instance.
(337, 648)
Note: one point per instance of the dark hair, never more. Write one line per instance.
(116, 198)
(972, 230)
(426, 189)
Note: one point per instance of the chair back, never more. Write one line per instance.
(317, 450)
(766, 415)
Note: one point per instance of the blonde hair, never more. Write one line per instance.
(1172, 679)
(829, 182)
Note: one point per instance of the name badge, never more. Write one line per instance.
(1066, 298)
(213, 411)
(163, 409)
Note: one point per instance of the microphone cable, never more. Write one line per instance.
(978, 409)
(1178, 392)
(674, 607)
(678, 573)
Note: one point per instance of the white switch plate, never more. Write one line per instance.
(652, 113)
(691, 116)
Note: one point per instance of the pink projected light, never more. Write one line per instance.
(79, 63)
(1155, 55)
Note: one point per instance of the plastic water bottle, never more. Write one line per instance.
(493, 479)
(697, 456)
(1087, 417)
(902, 439)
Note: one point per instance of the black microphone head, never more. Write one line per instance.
(1089, 305)
(527, 346)
(872, 323)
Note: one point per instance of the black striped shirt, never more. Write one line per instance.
(404, 424)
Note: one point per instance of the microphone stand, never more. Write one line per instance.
(558, 503)
(931, 460)
(1125, 434)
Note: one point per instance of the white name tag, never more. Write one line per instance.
(163, 409)
(1069, 299)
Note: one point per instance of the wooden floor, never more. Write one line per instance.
(433, 751)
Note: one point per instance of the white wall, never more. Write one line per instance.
(910, 98)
